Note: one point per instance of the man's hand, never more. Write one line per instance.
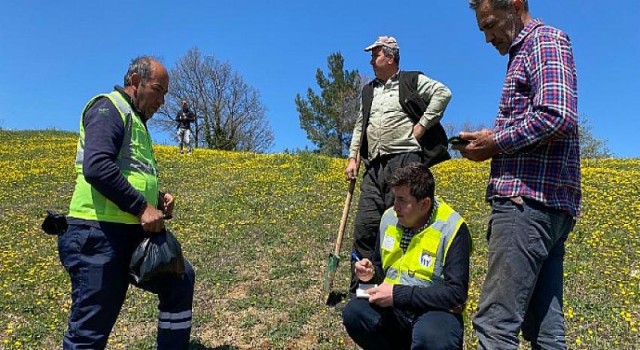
(364, 270)
(166, 204)
(418, 131)
(350, 172)
(382, 295)
(151, 219)
(481, 147)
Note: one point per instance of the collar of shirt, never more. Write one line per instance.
(127, 98)
(525, 32)
(432, 216)
(408, 233)
(393, 77)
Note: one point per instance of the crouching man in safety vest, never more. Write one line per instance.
(115, 203)
(421, 268)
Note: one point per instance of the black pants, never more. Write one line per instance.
(375, 198)
(382, 328)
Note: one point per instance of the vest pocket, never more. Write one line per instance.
(425, 260)
(139, 184)
(113, 210)
(430, 242)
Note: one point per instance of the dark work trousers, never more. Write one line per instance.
(375, 198)
(377, 328)
(97, 259)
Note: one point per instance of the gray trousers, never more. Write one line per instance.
(523, 286)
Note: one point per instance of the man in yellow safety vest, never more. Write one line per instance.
(419, 272)
(116, 202)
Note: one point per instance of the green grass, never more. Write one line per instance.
(258, 229)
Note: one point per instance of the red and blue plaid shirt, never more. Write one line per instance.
(537, 125)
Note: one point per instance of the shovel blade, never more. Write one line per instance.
(332, 266)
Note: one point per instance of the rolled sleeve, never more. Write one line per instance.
(552, 114)
(438, 96)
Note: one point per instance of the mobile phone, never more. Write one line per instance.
(457, 140)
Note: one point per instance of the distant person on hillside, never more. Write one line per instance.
(534, 184)
(421, 267)
(399, 123)
(184, 118)
(116, 203)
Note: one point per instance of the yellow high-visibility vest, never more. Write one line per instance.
(423, 262)
(136, 161)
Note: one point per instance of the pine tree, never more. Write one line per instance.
(329, 118)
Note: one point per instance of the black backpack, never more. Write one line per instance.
(433, 142)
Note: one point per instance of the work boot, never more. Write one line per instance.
(339, 300)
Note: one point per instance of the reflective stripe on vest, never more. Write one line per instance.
(423, 262)
(135, 160)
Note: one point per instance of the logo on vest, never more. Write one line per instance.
(425, 259)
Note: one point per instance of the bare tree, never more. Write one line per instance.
(591, 147)
(453, 129)
(229, 113)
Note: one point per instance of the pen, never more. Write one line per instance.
(354, 256)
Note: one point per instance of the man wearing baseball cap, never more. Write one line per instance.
(399, 123)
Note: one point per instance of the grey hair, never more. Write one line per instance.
(140, 65)
(392, 51)
(498, 4)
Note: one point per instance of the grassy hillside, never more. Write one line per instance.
(258, 228)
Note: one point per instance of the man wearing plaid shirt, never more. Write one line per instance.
(534, 185)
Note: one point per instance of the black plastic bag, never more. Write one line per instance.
(54, 223)
(157, 256)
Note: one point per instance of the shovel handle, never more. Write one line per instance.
(345, 209)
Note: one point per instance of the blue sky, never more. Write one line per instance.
(55, 55)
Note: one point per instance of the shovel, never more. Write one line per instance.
(334, 257)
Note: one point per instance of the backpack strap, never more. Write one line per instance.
(367, 100)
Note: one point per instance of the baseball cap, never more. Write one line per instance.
(387, 41)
